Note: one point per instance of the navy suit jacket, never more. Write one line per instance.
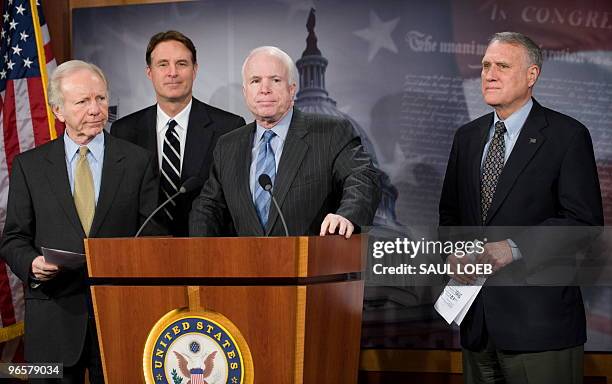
(550, 179)
(206, 125)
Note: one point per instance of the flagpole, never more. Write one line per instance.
(42, 64)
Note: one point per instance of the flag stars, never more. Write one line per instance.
(3, 74)
(2, 33)
(27, 62)
(378, 35)
(6, 16)
(10, 65)
(23, 36)
(17, 50)
(20, 9)
(13, 25)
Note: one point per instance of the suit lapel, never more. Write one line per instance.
(294, 150)
(57, 176)
(197, 141)
(529, 141)
(148, 136)
(243, 172)
(476, 153)
(112, 175)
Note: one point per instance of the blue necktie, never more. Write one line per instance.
(266, 164)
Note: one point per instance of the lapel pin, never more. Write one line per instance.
(532, 140)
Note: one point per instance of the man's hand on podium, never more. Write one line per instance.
(333, 222)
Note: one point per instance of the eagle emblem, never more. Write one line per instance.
(196, 347)
(196, 375)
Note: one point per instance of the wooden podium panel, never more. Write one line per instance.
(296, 301)
(124, 317)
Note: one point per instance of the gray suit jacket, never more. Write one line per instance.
(323, 169)
(41, 213)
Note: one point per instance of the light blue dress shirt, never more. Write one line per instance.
(277, 143)
(514, 124)
(95, 157)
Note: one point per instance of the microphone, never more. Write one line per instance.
(191, 184)
(266, 183)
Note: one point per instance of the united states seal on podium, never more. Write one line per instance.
(196, 347)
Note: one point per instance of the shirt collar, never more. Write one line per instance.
(181, 118)
(96, 147)
(281, 129)
(515, 121)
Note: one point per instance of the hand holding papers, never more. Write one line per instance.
(63, 259)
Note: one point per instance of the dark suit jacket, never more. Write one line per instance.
(206, 125)
(323, 169)
(550, 179)
(41, 213)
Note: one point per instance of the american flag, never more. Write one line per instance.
(26, 60)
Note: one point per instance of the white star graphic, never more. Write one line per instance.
(3, 74)
(17, 50)
(10, 65)
(6, 16)
(10, 2)
(378, 35)
(20, 9)
(5, 56)
(24, 35)
(13, 24)
(27, 62)
(2, 33)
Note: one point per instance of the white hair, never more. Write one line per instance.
(54, 92)
(276, 52)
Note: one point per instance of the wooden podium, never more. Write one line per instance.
(296, 300)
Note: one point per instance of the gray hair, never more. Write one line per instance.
(54, 92)
(279, 53)
(533, 50)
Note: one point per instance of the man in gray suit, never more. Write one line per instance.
(322, 178)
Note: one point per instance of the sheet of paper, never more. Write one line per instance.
(454, 299)
(479, 282)
(64, 259)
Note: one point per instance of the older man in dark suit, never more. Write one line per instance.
(85, 183)
(180, 130)
(522, 165)
(320, 174)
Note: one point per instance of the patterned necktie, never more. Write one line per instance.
(84, 195)
(491, 169)
(266, 164)
(171, 169)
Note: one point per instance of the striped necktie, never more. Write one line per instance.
(171, 169)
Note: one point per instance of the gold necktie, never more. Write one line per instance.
(84, 195)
